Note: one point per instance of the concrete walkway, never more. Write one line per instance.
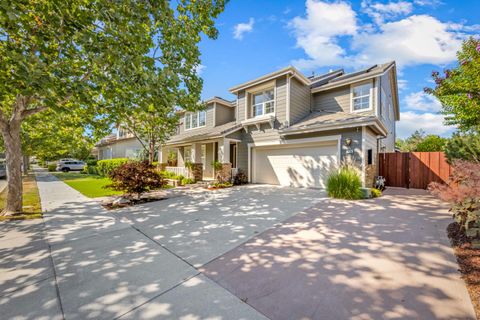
(385, 258)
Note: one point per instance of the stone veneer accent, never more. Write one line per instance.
(225, 173)
(197, 172)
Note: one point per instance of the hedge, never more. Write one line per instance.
(104, 167)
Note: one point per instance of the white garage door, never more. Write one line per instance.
(296, 166)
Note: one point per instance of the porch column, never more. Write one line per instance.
(180, 159)
(196, 153)
(197, 170)
(225, 173)
(224, 151)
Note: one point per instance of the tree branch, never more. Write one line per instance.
(30, 112)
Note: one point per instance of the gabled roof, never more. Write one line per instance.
(220, 100)
(352, 77)
(204, 133)
(331, 120)
(270, 76)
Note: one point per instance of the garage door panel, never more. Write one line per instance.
(306, 166)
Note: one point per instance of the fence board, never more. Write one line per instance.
(413, 169)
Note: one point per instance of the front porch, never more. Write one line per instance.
(201, 155)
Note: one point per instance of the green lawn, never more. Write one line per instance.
(31, 200)
(91, 186)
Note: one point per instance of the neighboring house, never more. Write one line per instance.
(288, 129)
(120, 145)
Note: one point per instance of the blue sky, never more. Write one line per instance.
(258, 37)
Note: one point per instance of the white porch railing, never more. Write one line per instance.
(178, 171)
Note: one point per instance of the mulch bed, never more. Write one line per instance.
(469, 262)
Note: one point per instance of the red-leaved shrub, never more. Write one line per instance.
(462, 190)
(135, 177)
(463, 183)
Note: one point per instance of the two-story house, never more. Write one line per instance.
(288, 129)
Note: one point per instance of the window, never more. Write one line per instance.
(361, 97)
(369, 156)
(188, 121)
(202, 118)
(195, 120)
(263, 103)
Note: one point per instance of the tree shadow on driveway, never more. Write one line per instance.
(386, 258)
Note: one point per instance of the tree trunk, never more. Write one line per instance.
(151, 152)
(13, 148)
(26, 163)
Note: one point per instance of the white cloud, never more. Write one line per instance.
(431, 123)
(242, 28)
(420, 101)
(414, 40)
(383, 11)
(432, 3)
(418, 39)
(402, 84)
(317, 32)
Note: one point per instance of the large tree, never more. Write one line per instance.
(90, 57)
(458, 89)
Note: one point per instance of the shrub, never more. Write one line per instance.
(91, 162)
(135, 178)
(462, 191)
(187, 181)
(222, 184)
(344, 183)
(463, 147)
(240, 178)
(52, 167)
(88, 169)
(104, 167)
(375, 193)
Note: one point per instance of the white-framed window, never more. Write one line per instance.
(361, 97)
(263, 103)
(195, 119)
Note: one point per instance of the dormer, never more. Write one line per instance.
(266, 100)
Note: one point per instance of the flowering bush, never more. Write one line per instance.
(463, 192)
(135, 178)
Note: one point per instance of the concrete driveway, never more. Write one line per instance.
(386, 258)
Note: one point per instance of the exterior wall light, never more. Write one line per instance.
(348, 142)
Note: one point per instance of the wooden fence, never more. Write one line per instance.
(413, 169)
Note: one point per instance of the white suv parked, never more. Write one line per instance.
(67, 165)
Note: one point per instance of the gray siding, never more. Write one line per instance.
(281, 99)
(241, 104)
(127, 148)
(210, 114)
(348, 153)
(335, 100)
(387, 114)
(338, 100)
(224, 114)
(209, 119)
(299, 100)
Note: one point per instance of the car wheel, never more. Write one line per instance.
(65, 169)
